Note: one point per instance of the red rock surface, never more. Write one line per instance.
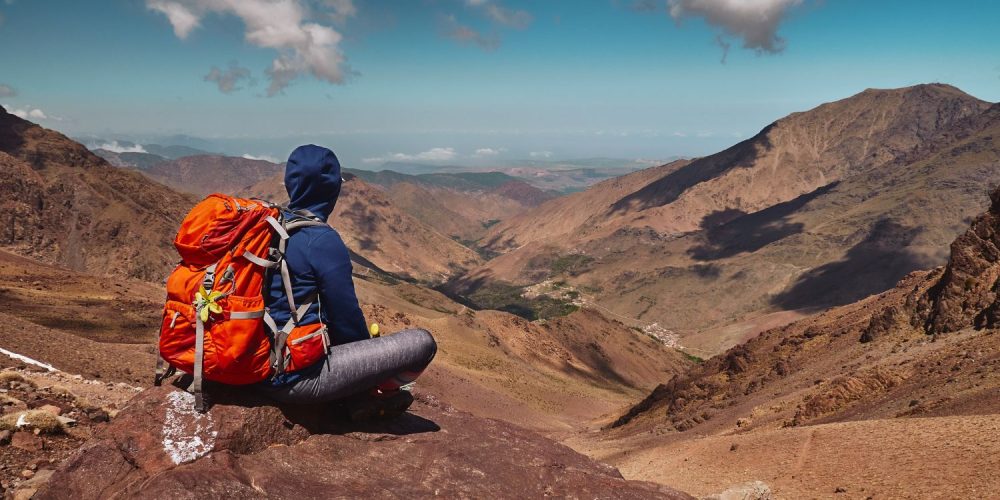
(159, 448)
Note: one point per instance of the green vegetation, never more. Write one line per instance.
(507, 297)
(490, 223)
(571, 264)
(692, 357)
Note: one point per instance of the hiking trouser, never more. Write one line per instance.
(385, 362)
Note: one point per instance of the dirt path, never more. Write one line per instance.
(803, 454)
(940, 457)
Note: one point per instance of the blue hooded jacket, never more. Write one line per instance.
(317, 258)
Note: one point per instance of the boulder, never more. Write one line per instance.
(159, 447)
(27, 441)
(27, 489)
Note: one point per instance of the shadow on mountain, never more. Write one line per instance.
(730, 232)
(669, 187)
(367, 221)
(872, 266)
(12, 131)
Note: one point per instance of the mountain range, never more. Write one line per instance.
(819, 209)
(788, 310)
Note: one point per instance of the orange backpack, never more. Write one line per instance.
(215, 325)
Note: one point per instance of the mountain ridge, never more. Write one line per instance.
(850, 236)
(68, 206)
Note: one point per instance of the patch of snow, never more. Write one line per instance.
(187, 434)
(25, 359)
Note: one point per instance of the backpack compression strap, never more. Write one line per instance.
(199, 345)
(282, 228)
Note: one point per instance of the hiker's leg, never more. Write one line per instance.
(386, 362)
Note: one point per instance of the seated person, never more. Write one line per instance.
(367, 371)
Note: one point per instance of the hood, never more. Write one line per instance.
(312, 179)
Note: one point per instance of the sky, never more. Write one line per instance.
(472, 81)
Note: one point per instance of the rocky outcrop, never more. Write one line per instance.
(882, 324)
(968, 294)
(158, 447)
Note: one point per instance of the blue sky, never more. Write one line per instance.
(474, 81)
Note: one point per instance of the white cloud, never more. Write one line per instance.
(28, 113)
(7, 91)
(756, 22)
(461, 33)
(228, 80)
(492, 10)
(116, 147)
(511, 18)
(431, 155)
(261, 157)
(286, 26)
(541, 154)
(341, 9)
(181, 18)
(487, 152)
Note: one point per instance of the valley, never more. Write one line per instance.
(775, 312)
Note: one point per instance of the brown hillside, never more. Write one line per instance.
(523, 193)
(392, 239)
(206, 174)
(741, 273)
(921, 358)
(65, 205)
(563, 218)
(553, 376)
(834, 246)
(452, 212)
(463, 211)
(789, 158)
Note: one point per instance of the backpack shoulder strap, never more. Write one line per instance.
(283, 228)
